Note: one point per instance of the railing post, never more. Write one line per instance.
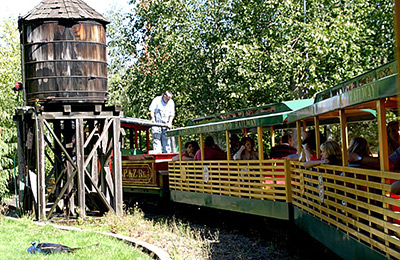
(288, 181)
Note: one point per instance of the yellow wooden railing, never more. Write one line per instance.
(356, 201)
(263, 180)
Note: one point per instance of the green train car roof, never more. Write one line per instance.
(358, 96)
(272, 114)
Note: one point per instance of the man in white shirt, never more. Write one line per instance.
(162, 110)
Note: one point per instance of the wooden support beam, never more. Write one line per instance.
(59, 143)
(344, 136)
(94, 149)
(58, 153)
(67, 109)
(80, 158)
(94, 130)
(101, 194)
(55, 185)
(68, 134)
(109, 181)
(41, 205)
(117, 166)
(21, 157)
(98, 109)
(65, 187)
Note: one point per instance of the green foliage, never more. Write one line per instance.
(10, 72)
(221, 55)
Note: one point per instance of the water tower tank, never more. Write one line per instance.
(64, 53)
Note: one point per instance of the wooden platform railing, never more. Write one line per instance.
(356, 201)
(263, 180)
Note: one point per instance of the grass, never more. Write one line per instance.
(178, 239)
(15, 237)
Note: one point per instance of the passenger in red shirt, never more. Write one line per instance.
(211, 151)
(285, 148)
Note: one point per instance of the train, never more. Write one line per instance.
(351, 210)
(70, 155)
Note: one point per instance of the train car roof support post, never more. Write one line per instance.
(298, 129)
(180, 147)
(260, 143)
(382, 132)
(148, 140)
(317, 137)
(228, 146)
(344, 136)
(397, 39)
(202, 146)
(272, 136)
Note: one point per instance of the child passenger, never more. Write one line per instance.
(359, 146)
(331, 154)
(190, 150)
(246, 151)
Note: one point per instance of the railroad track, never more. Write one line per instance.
(243, 236)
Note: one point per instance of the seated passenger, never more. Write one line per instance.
(359, 146)
(189, 153)
(285, 148)
(393, 151)
(246, 151)
(331, 154)
(310, 146)
(196, 147)
(393, 136)
(395, 188)
(235, 144)
(211, 151)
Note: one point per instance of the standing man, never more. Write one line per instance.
(162, 110)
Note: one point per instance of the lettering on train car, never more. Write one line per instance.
(138, 173)
(359, 95)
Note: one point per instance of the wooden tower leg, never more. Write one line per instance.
(117, 166)
(80, 160)
(41, 175)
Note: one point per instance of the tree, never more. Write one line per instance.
(10, 72)
(221, 55)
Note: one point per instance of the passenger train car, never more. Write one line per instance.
(349, 209)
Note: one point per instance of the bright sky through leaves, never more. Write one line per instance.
(15, 8)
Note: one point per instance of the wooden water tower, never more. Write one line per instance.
(68, 139)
